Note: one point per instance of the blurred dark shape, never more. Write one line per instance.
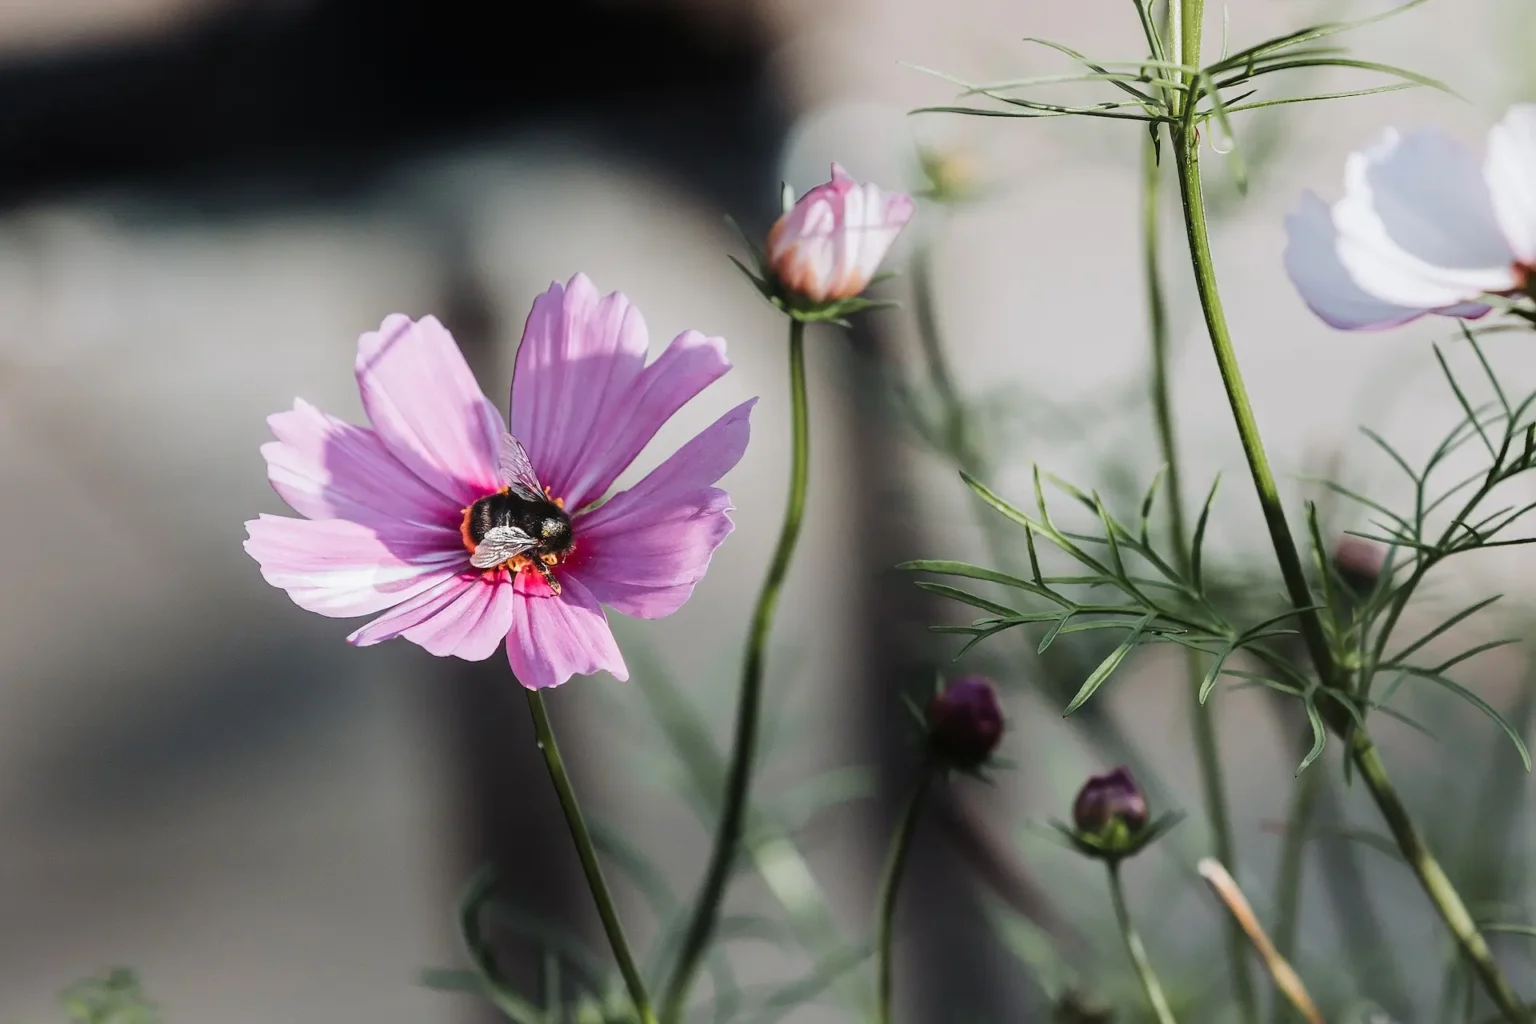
(953, 968)
(1360, 563)
(1108, 800)
(965, 723)
(1075, 1008)
(331, 92)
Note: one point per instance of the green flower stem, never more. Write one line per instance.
(588, 854)
(1202, 718)
(1288, 880)
(1441, 892)
(1434, 880)
(1149, 982)
(733, 817)
(890, 884)
(956, 431)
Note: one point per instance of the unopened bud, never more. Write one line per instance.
(965, 722)
(951, 174)
(1110, 802)
(1360, 563)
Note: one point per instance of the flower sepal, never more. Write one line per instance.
(1118, 841)
(1109, 818)
(796, 306)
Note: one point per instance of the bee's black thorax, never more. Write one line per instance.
(542, 520)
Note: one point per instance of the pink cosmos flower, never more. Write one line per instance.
(1421, 229)
(461, 533)
(828, 246)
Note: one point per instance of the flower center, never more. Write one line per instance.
(535, 535)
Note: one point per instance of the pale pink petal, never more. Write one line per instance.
(686, 367)
(339, 568)
(581, 353)
(1312, 261)
(423, 400)
(831, 243)
(466, 617)
(554, 638)
(1416, 224)
(643, 551)
(328, 469)
(1510, 169)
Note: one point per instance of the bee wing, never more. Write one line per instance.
(499, 544)
(517, 472)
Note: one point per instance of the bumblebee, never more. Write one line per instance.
(519, 524)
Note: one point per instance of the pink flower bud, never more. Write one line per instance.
(1360, 562)
(965, 722)
(827, 247)
(1107, 800)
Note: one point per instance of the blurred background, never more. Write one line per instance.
(204, 202)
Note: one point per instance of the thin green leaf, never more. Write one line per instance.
(1391, 452)
(1346, 62)
(1411, 723)
(1319, 735)
(1450, 378)
(1479, 703)
(945, 567)
(1449, 623)
(1467, 655)
(1214, 672)
(1108, 665)
(974, 600)
(1053, 633)
(1146, 505)
(1306, 35)
(1319, 97)
(1197, 547)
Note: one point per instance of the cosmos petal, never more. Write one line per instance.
(328, 469)
(554, 638)
(1416, 225)
(1312, 262)
(1510, 169)
(338, 568)
(466, 617)
(426, 407)
(643, 551)
(830, 243)
(583, 401)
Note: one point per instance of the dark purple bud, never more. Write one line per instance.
(1107, 799)
(965, 722)
(1360, 563)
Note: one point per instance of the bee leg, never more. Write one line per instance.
(548, 575)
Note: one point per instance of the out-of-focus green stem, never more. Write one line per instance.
(1202, 718)
(1431, 876)
(1149, 983)
(1288, 879)
(585, 850)
(733, 817)
(890, 885)
(1439, 887)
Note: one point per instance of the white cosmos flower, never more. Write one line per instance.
(1421, 228)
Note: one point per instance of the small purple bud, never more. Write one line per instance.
(965, 722)
(1360, 563)
(1108, 799)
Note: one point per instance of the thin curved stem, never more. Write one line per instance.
(733, 817)
(890, 885)
(1304, 795)
(1447, 901)
(1202, 718)
(1149, 983)
(588, 854)
(1439, 887)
